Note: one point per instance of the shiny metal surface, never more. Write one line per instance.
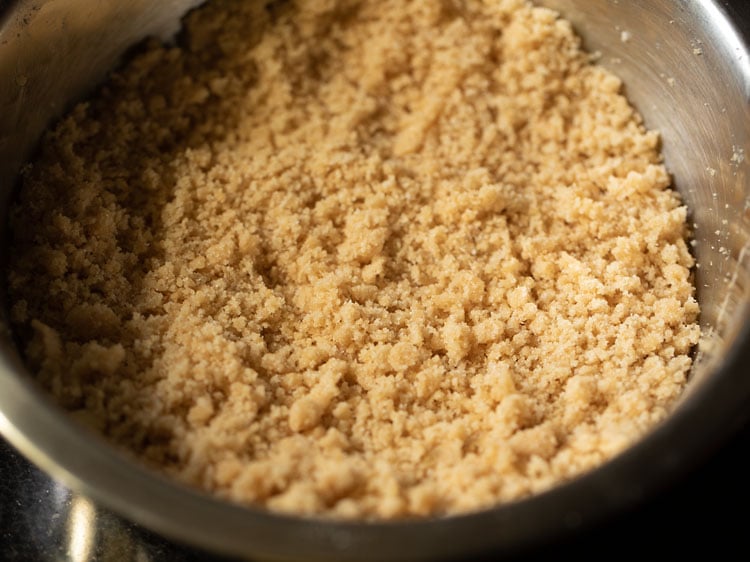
(687, 70)
(43, 521)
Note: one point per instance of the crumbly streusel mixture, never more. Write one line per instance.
(358, 258)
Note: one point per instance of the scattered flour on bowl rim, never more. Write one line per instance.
(360, 259)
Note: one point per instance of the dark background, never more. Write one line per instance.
(705, 512)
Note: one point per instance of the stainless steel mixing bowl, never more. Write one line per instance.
(686, 68)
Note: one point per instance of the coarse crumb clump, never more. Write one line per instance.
(366, 259)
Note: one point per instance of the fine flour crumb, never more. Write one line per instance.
(359, 259)
(738, 155)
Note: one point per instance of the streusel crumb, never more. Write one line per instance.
(358, 258)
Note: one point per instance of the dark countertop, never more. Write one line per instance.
(698, 513)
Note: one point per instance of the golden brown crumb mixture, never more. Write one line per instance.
(358, 258)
